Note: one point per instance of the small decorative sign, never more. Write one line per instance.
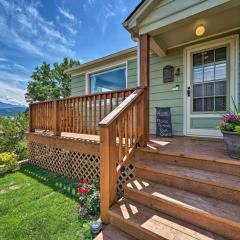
(168, 74)
(163, 122)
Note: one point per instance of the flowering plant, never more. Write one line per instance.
(230, 122)
(89, 196)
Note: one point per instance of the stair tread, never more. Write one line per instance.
(158, 224)
(219, 179)
(189, 200)
(110, 232)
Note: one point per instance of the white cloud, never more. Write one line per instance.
(66, 13)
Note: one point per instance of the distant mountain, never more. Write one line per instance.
(8, 109)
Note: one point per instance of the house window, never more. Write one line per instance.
(112, 79)
(209, 79)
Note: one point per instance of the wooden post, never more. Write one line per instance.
(56, 118)
(108, 172)
(144, 82)
(31, 127)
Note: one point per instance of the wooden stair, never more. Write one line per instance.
(180, 199)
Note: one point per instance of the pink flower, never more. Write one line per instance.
(87, 190)
(79, 185)
(85, 180)
(81, 190)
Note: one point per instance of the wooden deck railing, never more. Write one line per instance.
(75, 114)
(120, 132)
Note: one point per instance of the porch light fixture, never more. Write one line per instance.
(200, 30)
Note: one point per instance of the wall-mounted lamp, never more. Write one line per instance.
(200, 30)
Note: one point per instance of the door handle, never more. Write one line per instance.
(189, 91)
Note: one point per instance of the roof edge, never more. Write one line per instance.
(100, 60)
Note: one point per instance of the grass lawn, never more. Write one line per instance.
(37, 204)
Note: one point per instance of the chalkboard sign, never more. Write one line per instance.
(163, 122)
(168, 74)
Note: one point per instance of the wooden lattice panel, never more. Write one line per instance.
(127, 174)
(73, 164)
(67, 163)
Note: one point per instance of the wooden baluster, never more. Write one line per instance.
(77, 117)
(131, 126)
(111, 97)
(31, 118)
(86, 115)
(95, 120)
(126, 132)
(108, 179)
(100, 108)
(81, 110)
(56, 118)
(90, 115)
(120, 140)
(116, 99)
(105, 105)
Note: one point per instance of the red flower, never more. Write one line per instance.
(82, 190)
(86, 190)
(85, 180)
(79, 185)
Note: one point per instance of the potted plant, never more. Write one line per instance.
(230, 127)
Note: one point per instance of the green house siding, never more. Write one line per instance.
(132, 73)
(162, 95)
(78, 85)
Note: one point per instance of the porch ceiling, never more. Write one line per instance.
(183, 32)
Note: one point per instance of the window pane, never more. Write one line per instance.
(197, 105)
(197, 90)
(220, 104)
(220, 88)
(108, 80)
(197, 74)
(209, 89)
(220, 54)
(197, 59)
(209, 56)
(220, 71)
(209, 73)
(209, 104)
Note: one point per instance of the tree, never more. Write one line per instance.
(50, 83)
(12, 131)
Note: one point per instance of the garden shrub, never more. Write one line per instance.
(8, 162)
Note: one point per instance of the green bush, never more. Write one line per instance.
(8, 162)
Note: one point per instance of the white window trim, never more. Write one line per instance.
(102, 69)
(233, 41)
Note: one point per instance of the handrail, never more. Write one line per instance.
(120, 132)
(80, 114)
(88, 95)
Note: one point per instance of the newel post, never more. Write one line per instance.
(56, 129)
(144, 83)
(108, 171)
(31, 127)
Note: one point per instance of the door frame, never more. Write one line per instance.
(233, 42)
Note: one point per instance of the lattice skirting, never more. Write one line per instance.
(73, 164)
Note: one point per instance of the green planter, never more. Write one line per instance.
(232, 141)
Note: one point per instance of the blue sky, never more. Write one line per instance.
(48, 30)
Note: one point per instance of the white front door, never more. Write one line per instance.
(211, 84)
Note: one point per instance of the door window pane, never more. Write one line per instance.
(209, 73)
(220, 71)
(220, 54)
(209, 104)
(197, 74)
(198, 105)
(197, 90)
(208, 56)
(110, 80)
(209, 90)
(197, 59)
(220, 104)
(220, 88)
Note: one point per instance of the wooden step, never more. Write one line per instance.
(217, 185)
(209, 213)
(148, 224)
(110, 232)
(207, 163)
